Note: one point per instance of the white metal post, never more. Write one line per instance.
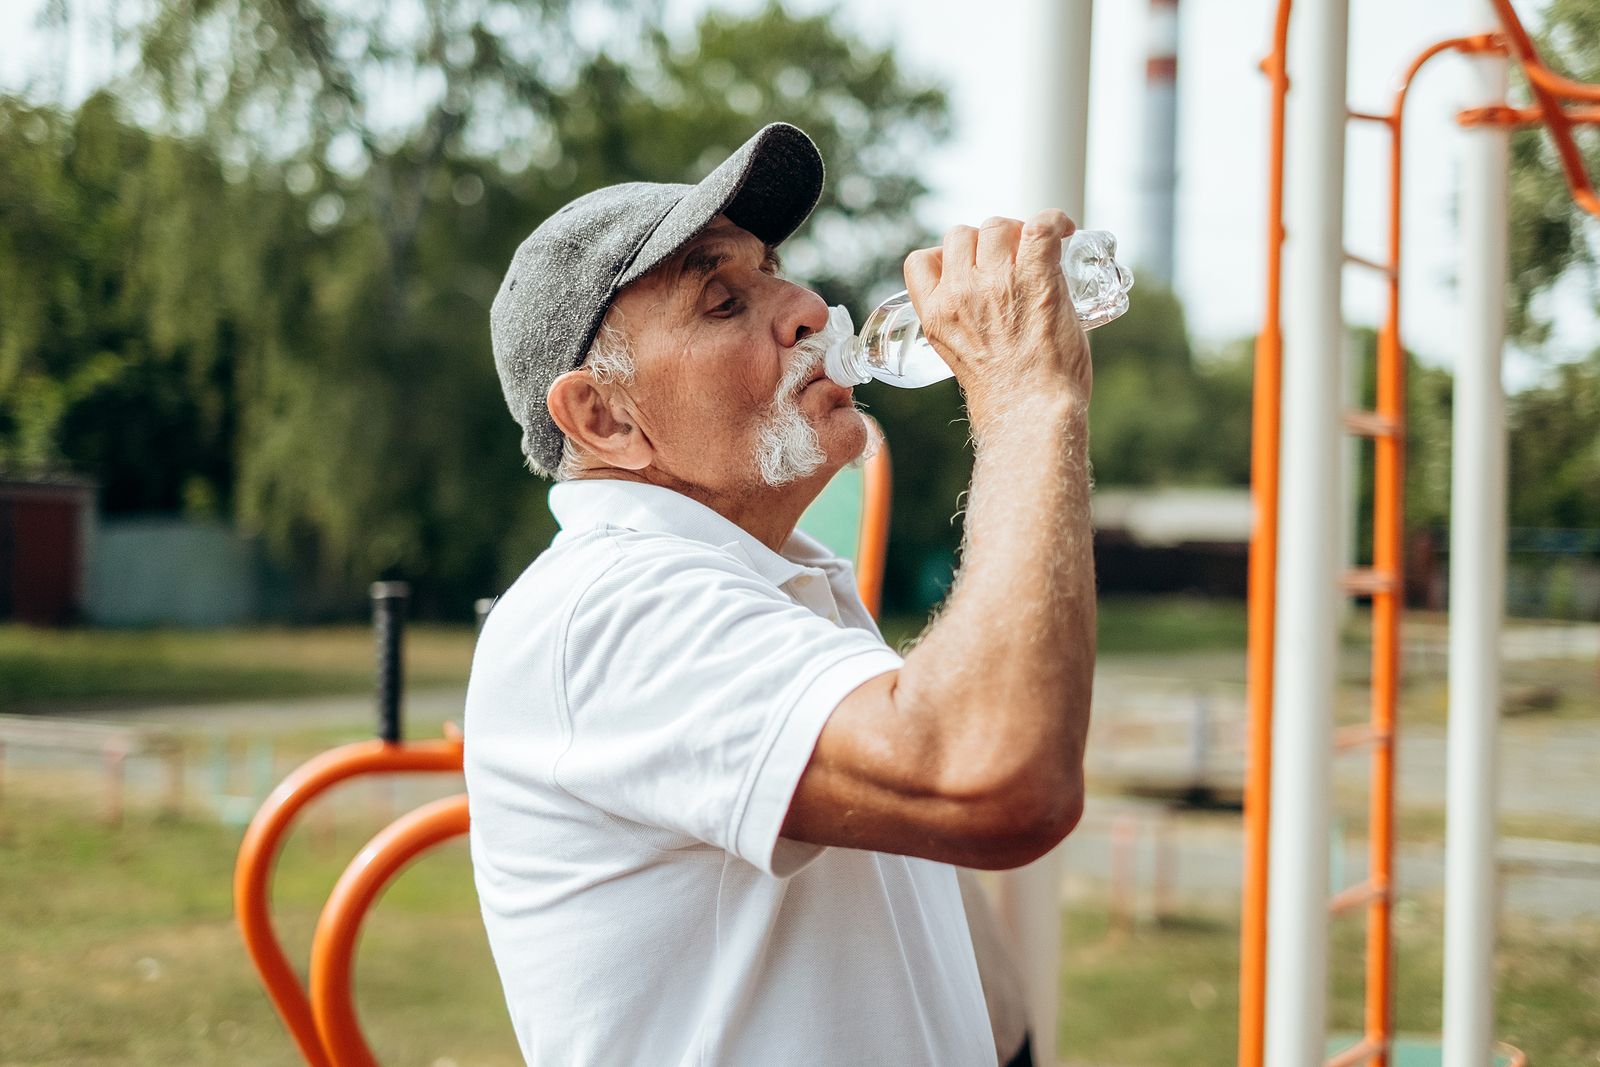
(1309, 539)
(1053, 175)
(1477, 579)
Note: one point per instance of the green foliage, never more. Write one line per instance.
(1159, 416)
(117, 343)
(252, 278)
(1549, 234)
(1554, 462)
(276, 290)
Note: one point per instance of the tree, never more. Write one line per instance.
(357, 234)
(1159, 416)
(117, 346)
(1554, 461)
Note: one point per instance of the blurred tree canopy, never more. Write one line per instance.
(1554, 462)
(254, 276)
(250, 277)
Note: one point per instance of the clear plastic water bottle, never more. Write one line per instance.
(892, 349)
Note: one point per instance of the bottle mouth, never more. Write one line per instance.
(842, 361)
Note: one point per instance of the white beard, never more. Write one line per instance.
(787, 446)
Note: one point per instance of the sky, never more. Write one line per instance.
(972, 49)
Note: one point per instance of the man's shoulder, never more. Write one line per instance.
(608, 562)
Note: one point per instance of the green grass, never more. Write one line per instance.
(1138, 625)
(1169, 994)
(119, 948)
(61, 669)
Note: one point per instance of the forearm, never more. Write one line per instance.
(1004, 675)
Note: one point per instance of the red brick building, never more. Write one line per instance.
(45, 525)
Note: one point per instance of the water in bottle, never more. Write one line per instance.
(891, 347)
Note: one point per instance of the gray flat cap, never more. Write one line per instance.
(565, 275)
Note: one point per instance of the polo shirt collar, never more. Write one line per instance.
(589, 503)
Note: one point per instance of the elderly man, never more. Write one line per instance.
(714, 816)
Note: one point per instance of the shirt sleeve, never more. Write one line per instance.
(694, 695)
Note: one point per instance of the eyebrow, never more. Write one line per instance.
(703, 260)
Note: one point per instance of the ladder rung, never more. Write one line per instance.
(1368, 116)
(1366, 581)
(1358, 735)
(1362, 1052)
(1356, 895)
(1371, 264)
(1370, 423)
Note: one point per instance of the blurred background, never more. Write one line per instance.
(247, 249)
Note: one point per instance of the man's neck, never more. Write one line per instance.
(767, 513)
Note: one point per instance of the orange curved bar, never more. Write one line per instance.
(874, 539)
(1265, 417)
(252, 877)
(1549, 91)
(333, 947)
(1524, 116)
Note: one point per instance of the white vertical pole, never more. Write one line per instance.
(1477, 579)
(1309, 539)
(1056, 52)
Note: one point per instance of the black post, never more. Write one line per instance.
(388, 631)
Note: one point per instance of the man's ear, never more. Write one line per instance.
(597, 422)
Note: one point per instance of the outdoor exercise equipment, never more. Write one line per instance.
(851, 517)
(1293, 639)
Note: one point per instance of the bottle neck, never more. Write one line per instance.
(845, 362)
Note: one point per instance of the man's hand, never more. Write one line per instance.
(994, 303)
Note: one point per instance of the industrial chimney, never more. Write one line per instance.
(1160, 168)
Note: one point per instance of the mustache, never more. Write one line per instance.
(808, 355)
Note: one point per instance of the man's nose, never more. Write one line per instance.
(804, 313)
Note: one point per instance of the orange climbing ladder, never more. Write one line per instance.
(1383, 582)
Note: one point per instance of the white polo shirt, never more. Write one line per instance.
(642, 704)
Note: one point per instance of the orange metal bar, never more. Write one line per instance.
(874, 540)
(1369, 424)
(1367, 581)
(252, 880)
(1356, 895)
(1524, 116)
(1358, 735)
(1265, 420)
(333, 947)
(1371, 264)
(1364, 1052)
(1549, 91)
(1388, 537)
